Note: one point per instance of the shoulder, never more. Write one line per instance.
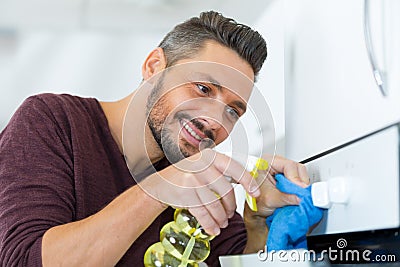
(56, 107)
(34, 110)
(51, 101)
(48, 112)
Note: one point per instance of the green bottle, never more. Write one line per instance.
(183, 242)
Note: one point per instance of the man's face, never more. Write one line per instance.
(202, 112)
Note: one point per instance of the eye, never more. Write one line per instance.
(232, 112)
(204, 89)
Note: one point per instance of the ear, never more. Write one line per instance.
(154, 63)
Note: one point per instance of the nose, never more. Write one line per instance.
(210, 123)
(216, 127)
(213, 120)
(214, 115)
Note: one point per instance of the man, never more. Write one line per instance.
(67, 196)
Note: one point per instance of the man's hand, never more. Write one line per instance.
(271, 198)
(199, 184)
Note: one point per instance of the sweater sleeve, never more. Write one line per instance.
(36, 181)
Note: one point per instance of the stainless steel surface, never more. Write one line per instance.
(379, 74)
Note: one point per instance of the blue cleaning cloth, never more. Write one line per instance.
(289, 225)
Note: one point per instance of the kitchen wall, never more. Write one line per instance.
(331, 94)
(96, 48)
(106, 66)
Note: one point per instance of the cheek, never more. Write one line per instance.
(222, 134)
(164, 108)
(173, 104)
(157, 112)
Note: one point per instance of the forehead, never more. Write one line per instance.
(225, 77)
(212, 51)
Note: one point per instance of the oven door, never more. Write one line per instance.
(370, 219)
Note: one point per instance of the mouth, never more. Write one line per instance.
(191, 133)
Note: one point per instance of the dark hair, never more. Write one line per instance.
(187, 38)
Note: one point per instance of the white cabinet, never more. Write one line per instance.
(330, 91)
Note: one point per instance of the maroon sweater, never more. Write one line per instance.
(59, 163)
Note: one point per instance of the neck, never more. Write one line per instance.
(128, 125)
(115, 113)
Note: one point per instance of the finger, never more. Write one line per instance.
(271, 179)
(302, 170)
(229, 203)
(221, 187)
(214, 206)
(227, 196)
(289, 168)
(205, 220)
(229, 167)
(277, 199)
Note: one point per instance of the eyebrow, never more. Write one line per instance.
(240, 105)
(207, 78)
(237, 103)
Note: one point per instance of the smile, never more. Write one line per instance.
(191, 131)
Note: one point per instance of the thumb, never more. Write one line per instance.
(278, 199)
(289, 199)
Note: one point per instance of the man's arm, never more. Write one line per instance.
(257, 231)
(37, 197)
(87, 243)
(37, 200)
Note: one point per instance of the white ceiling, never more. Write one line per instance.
(117, 15)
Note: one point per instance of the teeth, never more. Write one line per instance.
(192, 132)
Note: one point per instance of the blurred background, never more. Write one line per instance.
(95, 48)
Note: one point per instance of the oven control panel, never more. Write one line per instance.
(369, 169)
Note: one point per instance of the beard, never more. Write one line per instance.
(156, 117)
(157, 114)
(164, 137)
